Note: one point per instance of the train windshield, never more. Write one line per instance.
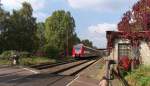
(77, 48)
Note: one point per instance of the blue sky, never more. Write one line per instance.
(93, 17)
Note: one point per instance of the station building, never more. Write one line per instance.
(133, 36)
(134, 45)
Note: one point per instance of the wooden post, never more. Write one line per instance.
(107, 75)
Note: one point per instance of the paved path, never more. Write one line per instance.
(18, 76)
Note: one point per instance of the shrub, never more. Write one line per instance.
(139, 77)
(35, 60)
(10, 53)
(50, 50)
(7, 54)
(24, 54)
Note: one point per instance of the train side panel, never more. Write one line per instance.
(81, 51)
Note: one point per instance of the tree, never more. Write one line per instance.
(137, 19)
(21, 32)
(76, 39)
(60, 30)
(86, 42)
(4, 25)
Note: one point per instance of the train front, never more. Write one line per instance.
(77, 51)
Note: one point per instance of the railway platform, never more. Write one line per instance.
(90, 76)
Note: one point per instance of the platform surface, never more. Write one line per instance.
(90, 76)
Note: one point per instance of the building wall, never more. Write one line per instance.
(145, 53)
(114, 54)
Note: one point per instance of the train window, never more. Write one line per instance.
(124, 50)
(77, 48)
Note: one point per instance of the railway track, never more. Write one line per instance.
(47, 65)
(69, 69)
(50, 74)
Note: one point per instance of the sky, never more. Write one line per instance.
(92, 17)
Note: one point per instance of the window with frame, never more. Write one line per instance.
(124, 50)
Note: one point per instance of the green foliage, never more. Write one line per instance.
(67, 58)
(139, 77)
(123, 73)
(86, 42)
(5, 62)
(10, 53)
(51, 51)
(59, 30)
(7, 54)
(18, 29)
(4, 25)
(35, 60)
(24, 54)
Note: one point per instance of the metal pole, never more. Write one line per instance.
(0, 4)
(66, 39)
(146, 15)
(67, 42)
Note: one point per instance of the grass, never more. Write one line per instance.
(68, 58)
(139, 77)
(29, 61)
(26, 61)
(35, 60)
(101, 72)
(5, 62)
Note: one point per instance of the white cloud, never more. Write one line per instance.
(15, 4)
(97, 33)
(38, 6)
(102, 5)
(83, 3)
(101, 28)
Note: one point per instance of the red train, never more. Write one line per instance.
(81, 51)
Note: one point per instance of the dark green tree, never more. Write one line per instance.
(21, 33)
(4, 26)
(88, 43)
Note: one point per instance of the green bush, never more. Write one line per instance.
(139, 77)
(50, 51)
(35, 60)
(24, 54)
(7, 54)
(123, 73)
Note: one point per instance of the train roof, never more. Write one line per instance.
(82, 45)
(78, 45)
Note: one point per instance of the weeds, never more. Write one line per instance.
(139, 77)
